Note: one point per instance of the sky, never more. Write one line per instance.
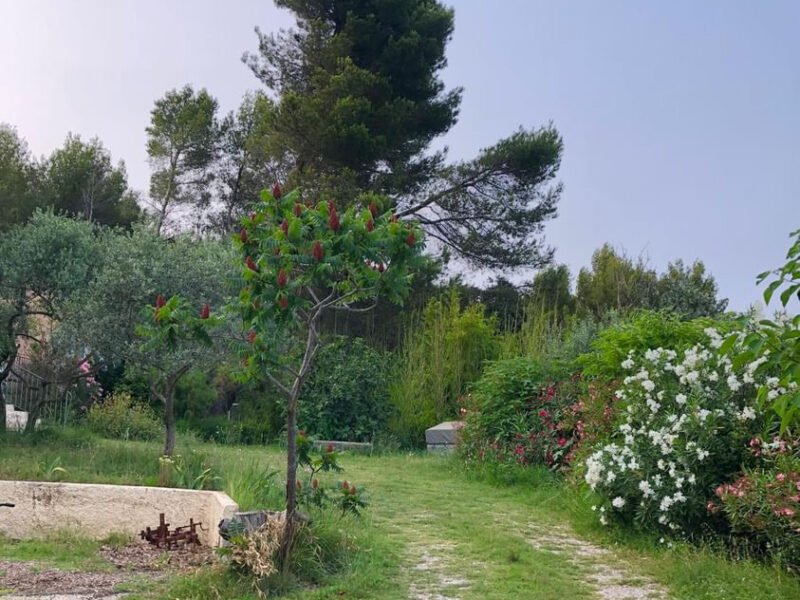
(680, 119)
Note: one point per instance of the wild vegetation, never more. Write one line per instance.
(291, 277)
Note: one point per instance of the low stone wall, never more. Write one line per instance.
(99, 510)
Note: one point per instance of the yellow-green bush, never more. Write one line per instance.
(120, 417)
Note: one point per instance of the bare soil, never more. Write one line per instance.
(32, 580)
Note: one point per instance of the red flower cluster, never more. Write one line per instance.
(317, 251)
(333, 217)
(282, 278)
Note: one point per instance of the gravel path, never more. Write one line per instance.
(610, 577)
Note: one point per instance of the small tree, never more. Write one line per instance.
(299, 262)
(176, 340)
(42, 265)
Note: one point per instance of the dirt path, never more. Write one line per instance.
(468, 540)
(610, 577)
(435, 577)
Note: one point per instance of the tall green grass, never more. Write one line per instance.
(443, 352)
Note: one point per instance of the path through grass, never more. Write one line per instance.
(433, 532)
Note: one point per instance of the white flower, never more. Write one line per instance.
(703, 415)
(648, 385)
(610, 477)
(680, 399)
(692, 478)
(692, 377)
(666, 502)
(618, 502)
(653, 355)
(733, 383)
(702, 454)
(646, 489)
(679, 497)
(627, 363)
(747, 414)
(594, 470)
(713, 376)
(773, 382)
(603, 520)
(772, 394)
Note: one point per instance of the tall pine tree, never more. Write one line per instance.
(358, 103)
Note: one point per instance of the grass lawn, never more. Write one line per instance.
(432, 530)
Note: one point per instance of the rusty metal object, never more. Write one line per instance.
(162, 536)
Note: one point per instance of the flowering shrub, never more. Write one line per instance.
(776, 344)
(688, 418)
(520, 414)
(762, 507)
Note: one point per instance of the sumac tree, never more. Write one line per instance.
(298, 262)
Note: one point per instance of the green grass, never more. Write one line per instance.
(64, 550)
(431, 526)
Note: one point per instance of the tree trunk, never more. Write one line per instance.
(33, 414)
(169, 423)
(3, 416)
(312, 343)
(291, 482)
(4, 373)
(167, 397)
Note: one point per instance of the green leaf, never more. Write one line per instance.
(771, 290)
(726, 346)
(788, 292)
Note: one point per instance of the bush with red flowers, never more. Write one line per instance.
(762, 507)
(522, 412)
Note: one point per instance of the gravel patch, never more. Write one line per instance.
(610, 578)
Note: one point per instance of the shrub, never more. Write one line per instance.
(776, 344)
(120, 417)
(687, 422)
(517, 412)
(440, 357)
(762, 508)
(641, 331)
(346, 397)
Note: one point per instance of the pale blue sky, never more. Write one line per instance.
(681, 119)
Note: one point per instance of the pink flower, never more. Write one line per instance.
(784, 512)
(562, 442)
(780, 477)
